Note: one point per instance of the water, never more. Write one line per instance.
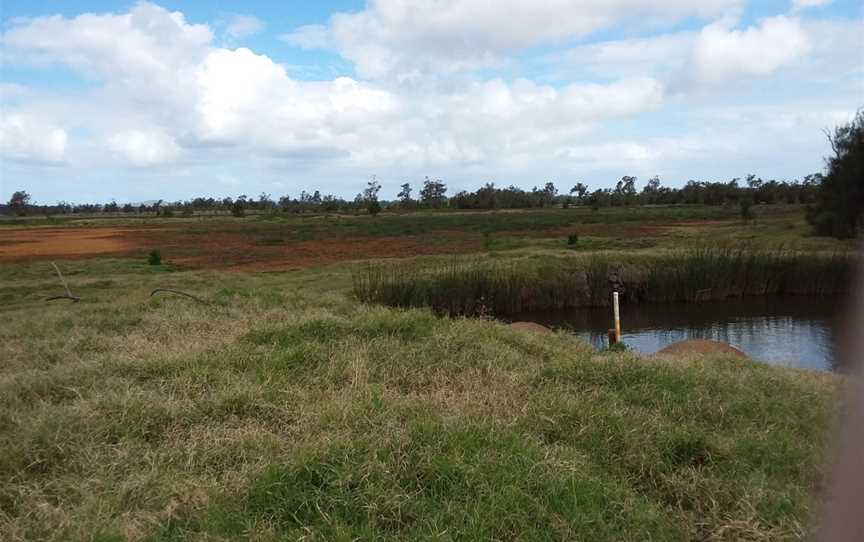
(792, 331)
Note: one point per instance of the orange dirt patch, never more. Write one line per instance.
(37, 243)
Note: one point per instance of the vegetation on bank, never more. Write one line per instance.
(555, 282)
(285, 408)
(839, 209)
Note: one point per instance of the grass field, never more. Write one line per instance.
(285, 408)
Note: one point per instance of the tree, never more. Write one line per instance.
(370, 196)
(18, 202)
(839, 208)
(404, 196)
(581, 191)
(433, 193)
(238, 208)
(548, 194)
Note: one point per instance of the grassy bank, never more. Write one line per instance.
(286, 409)
(552, 282)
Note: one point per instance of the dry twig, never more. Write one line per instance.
(68, 295)
(178, 292)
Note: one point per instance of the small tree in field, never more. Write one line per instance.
(18, 202)
(370, 196)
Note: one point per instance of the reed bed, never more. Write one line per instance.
(482, 287)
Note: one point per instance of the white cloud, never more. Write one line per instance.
(310, 36)
(240, 26)
(721, 53)
(144, 148)
(661, 55)
(404, 39)
(165, 93)
(247, 98)
(30, 139)
(798, 5)
(147, 42)
(809, 50)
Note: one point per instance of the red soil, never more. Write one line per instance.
(236, 251)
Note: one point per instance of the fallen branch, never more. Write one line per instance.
(68, 295)
(178, 292)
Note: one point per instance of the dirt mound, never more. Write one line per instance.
(699, 346)
(531, 326)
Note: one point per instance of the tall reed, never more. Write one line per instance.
(482, 287)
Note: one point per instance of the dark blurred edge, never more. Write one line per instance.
(842, 507)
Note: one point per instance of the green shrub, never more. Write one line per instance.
(373, 207)
(154, 257)
(573, 239)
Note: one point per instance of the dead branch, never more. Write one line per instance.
(68, 295)
(178, 292)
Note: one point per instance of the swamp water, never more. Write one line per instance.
(792, 331)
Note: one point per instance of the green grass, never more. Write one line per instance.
(507, 286)
(285, 408)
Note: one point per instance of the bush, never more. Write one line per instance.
(154, 257)
(237, 210)
(573, 239)
(746, 205)
(373, 207)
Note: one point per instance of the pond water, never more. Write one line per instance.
(792, 331)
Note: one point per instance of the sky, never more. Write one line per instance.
(133, 101)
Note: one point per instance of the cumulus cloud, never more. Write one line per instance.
(721, 53)
(144, 148)
(148, 43)
(404, 40)
(238, 98)
(30, 139)
(163, 92)
(715, 55)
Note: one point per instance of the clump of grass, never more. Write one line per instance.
(270, 241)
(553, 283)
(573, 239)
(482, 482)
(154, 257)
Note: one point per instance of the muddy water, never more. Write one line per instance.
(793, 331)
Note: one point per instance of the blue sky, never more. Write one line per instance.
(141, 100)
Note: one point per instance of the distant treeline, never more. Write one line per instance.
(835, 201)
(433, 195)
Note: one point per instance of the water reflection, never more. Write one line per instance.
(792, 331)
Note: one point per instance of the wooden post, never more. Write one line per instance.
(617, 316)
(611, 335)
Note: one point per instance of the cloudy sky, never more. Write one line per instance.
(131, 101)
